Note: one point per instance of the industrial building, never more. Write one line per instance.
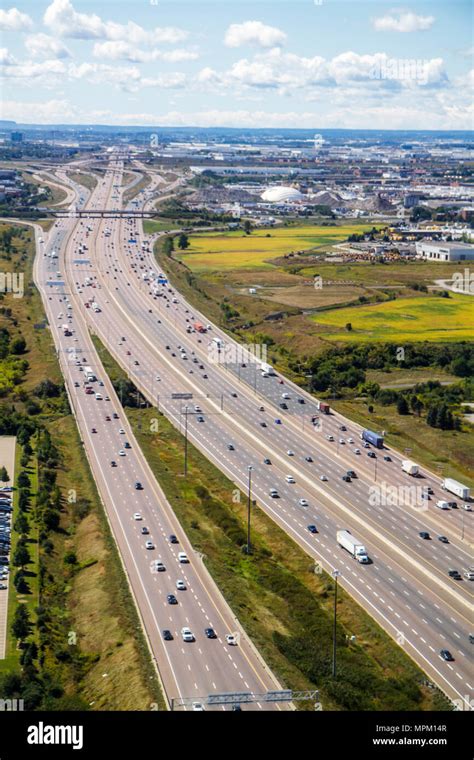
(443, 251)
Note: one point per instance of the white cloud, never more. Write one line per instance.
(404, 22)
(14, 21)
(254, 33)
(44, 46)
(121, 50)
(288, 73)
(65, 21)
(6, 59)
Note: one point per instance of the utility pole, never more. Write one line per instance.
(249, 502)
(335, 575)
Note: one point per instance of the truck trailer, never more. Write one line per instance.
(199, 327)
(89, 373)
(411, 468)
(323, 407)
(455, 487)
(374, 438)
(347, 541)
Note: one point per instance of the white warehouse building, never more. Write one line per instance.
(433, 250)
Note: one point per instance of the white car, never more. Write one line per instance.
(285, 395)
(290, 479)
(322, 477)
(231, 640)
(356, 451)
(290, 453)
(180, 585)
(149, 545)
(187, 634)
(137, 516)
(303, 502)
(183, 557)
(341, 440)
(121, 431)
(159, 566)
(121, 453)
(350, 440)
(198, 707)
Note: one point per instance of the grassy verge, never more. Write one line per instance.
(284, 605)
(136, 189)
(85, 179)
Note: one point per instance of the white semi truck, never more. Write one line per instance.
(411, 468)
(352, 545)
(455, 487)
(89, 373)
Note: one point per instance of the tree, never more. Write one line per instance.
(349, 327)
(183, 241)
(247, 227)
(21, 623)
(70, 558)
(23, 480)
(18, 346)
(402, 405)
(416, 405)
(19, 581)
(21, 556)
(4, 476)
(168, 246)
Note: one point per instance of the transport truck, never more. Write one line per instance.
(323, 407)
(66, 330)
(267, 368)
(455, 487)
(90, 375)
(374, 438)
(218, 342)
(351, 544)
(199, 327)
(411, 468)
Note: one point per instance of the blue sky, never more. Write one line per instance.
(303, 63)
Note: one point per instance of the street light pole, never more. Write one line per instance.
(335, 575)
(249, 501)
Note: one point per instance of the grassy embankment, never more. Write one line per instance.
(91, 598)
(86, 179)
(284, 605)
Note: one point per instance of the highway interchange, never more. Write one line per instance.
(406, 588)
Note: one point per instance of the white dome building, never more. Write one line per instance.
(281, 194)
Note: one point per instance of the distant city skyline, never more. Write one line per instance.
(303, 63)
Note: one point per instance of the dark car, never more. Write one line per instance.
(455, 574)
(167, 635)
(267, 461)
(343, 428)
(308, 459)
(171, 599)
(210, 633)
(173, 539)
(351, 473)
(347, 478)
(424, 534)
(312, 528)
(263, 424)
(145, 531)
(446, 655)
(138, 486)
(126, 445)
(283, 405)
(387, 458)
(230, 446)
(371, 454)
(443, 539)
(453, 504)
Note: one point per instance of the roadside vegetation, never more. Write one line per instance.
(283, 604)
(74, 636)
(86, 179)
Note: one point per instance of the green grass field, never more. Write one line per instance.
(407, 319)
(235, 250)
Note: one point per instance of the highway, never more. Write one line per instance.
(187, 669)
(406, 588)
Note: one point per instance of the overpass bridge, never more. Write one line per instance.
(76, 213)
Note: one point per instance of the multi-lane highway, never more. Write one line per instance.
(171, 594)
(232, 419)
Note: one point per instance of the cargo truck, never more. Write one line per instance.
(374, 438)
(199, 327)
(453, 486)
(347, 541)
(411, 468)
(267, 369)
(89, 373)
(323, 407)
(66, 330)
